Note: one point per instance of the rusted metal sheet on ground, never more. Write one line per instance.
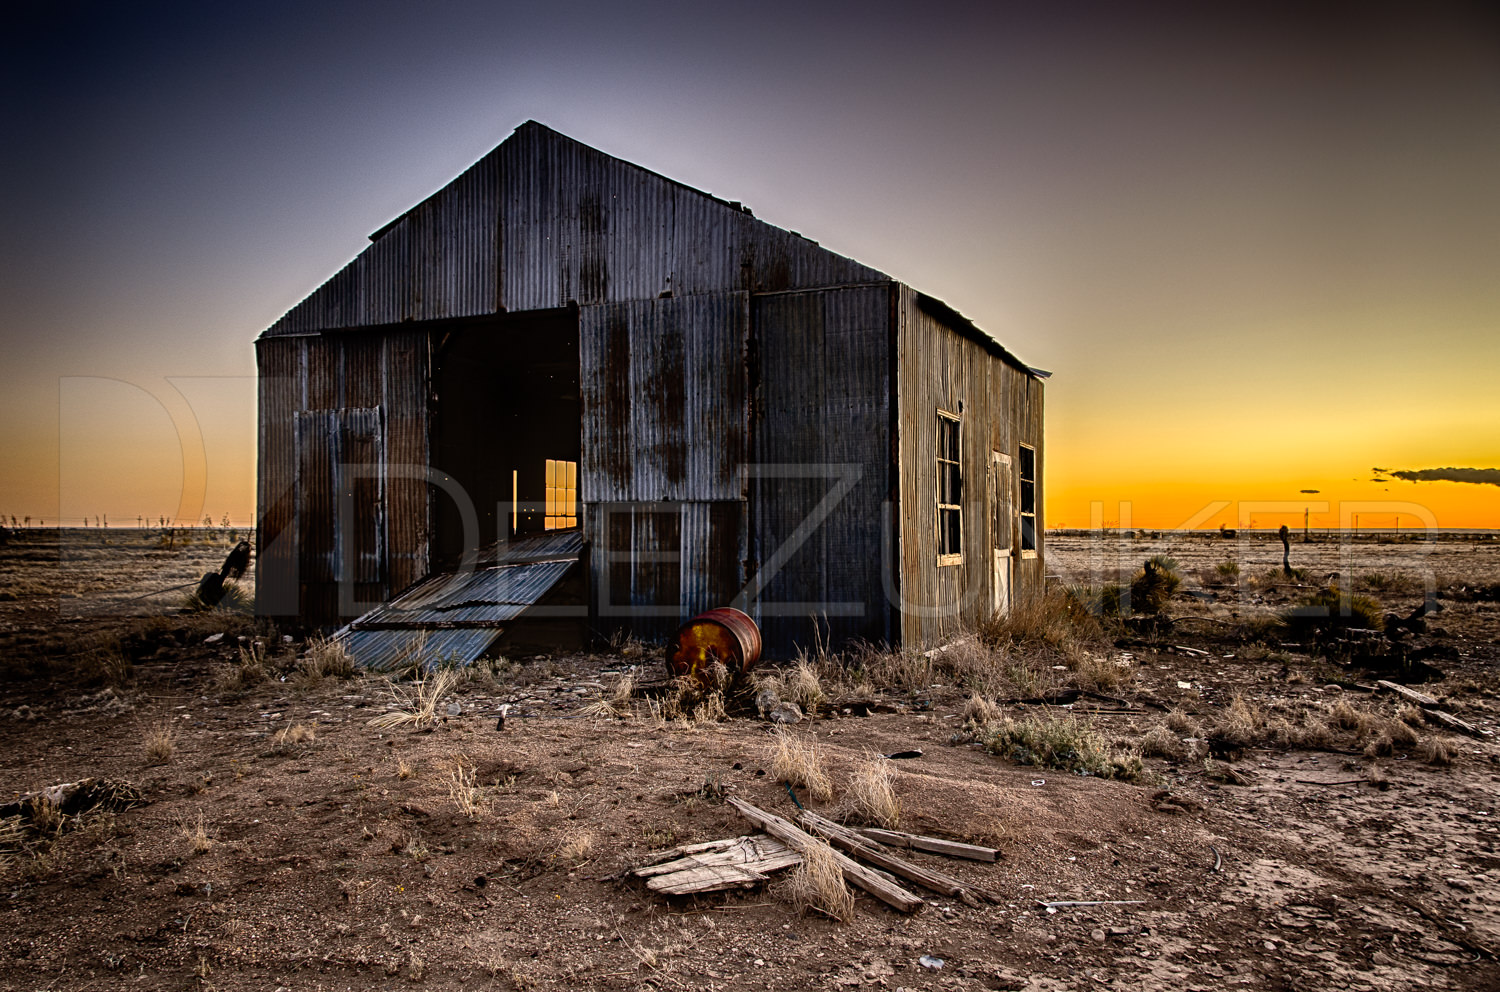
(455, 616)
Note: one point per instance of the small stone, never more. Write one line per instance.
(1098, 936)
(786, 713)
(454, 709)
(1269, 945)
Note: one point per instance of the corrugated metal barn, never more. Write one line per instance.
(601, 400)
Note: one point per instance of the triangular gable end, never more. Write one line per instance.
(543, 221)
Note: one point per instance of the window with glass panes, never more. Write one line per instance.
(950, 519)
(1026, 457)
(562, 495)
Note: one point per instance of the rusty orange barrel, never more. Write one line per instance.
(725, 635)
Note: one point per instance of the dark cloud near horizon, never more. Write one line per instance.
(1480, 476)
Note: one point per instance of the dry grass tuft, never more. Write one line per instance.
(417, 702)
(404, 769)
(1435, 752)
(199, 841)
(252, 669)
(980, 710)
(817, 885)
(617, 705)
(799, 761)
(1410, 715)
(289, 738)
(1347, 717)
(463, 790)
(576, 848)
(803, 685)
(1162, 743)
(1181, 723)
(160, 742)
(326, 658)
(1400, 734)
(872, 794)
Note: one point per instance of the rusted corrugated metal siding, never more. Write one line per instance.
(663, 399)
(1000, 405)
(821, 430)
(342, 415)
(544, 220)
(664, 443)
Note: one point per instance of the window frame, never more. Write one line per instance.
(1026, 477)
(941, 509)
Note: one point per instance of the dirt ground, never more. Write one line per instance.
(284, 843)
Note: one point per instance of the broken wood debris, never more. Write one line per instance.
(736, 863)
(1410, 695)
(1453, 723)
(862, 847)
(932, 845)
(877, 883)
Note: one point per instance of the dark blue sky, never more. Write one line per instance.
(1224, 209)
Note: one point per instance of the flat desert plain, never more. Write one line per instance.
(1206, 798)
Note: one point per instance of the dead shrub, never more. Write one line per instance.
(1092, 671)
(799, 761)
(1066, 744)
(871, 793)
(1410, 715)
(817, 884)
(1333, 608)
(160, 742)
(1239, 724)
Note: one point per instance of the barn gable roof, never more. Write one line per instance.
(543, 220)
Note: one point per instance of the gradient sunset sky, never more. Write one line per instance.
(1261, 253)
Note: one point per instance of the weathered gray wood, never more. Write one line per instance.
(876, 883)
(757, 854)
(1410, 695)
(933, 845)
(1453, 723)
(734, 863)
(861, 847)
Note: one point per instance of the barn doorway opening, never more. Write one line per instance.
(506, 427)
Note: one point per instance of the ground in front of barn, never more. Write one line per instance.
(1255, 817)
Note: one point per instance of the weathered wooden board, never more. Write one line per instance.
(878, 884)
(933, 845)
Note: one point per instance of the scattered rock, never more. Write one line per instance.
(786, 713)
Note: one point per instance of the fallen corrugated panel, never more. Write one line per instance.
(455, 616)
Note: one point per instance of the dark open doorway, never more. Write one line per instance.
(506, 426)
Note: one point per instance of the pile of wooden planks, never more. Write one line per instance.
(744, 862)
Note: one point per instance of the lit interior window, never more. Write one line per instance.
(562, 495)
